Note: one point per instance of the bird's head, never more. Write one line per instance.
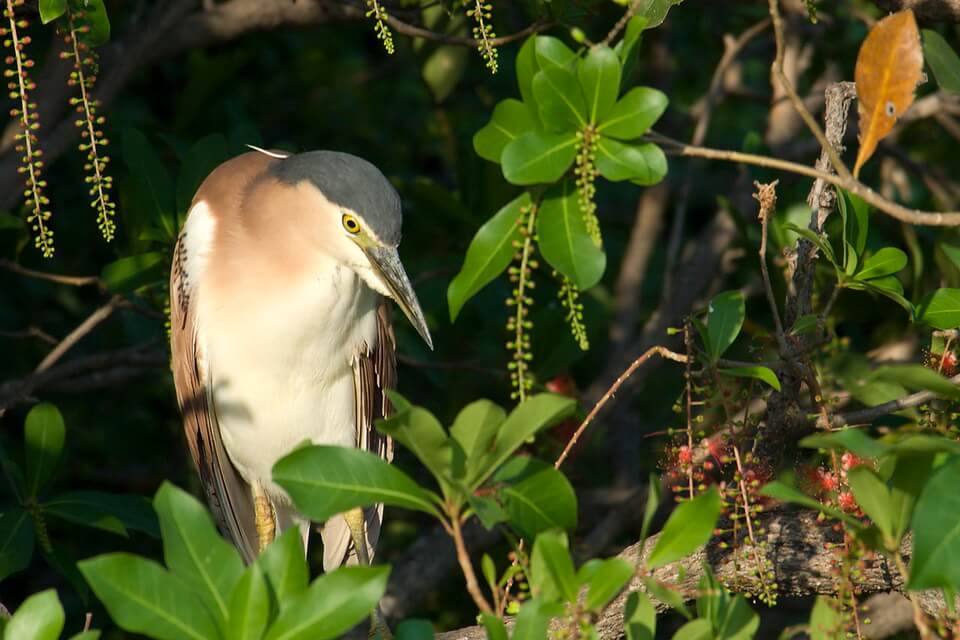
(360, 220)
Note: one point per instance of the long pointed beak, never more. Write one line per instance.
(386, 262)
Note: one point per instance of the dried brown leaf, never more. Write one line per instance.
(889, 67)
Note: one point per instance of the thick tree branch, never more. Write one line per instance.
(926, 10)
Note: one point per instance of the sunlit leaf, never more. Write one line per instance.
(917, 378)
(44, 434)
(551, 570)
(936, 531)
(639, 617)
(889, 67)
(538, 157)
(724, 319)
(40, 617)
(634, 114)
(50, 10)
(643, 164)
(765, 374)
(940, 309)
(535, 496)
(564, 240)
(599, 75)
(133, 272)
(943, 60)
(885, 262)
(559, 99)
(249, 606)
(510, 119)
(689, 526)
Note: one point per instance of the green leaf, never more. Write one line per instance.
(527, 67)
(200, 160)
(324, 481)
(940, 309)
(724, 318)
(698, 629)
(655, 11)
(941, 58)
(765, 374)
(249, 605)
(884, 262)
(599, 76)
(627, 47)
(107, 511)
(911, 472)
(856, 215)
(651, 505)
(887, 286)
(534, 619)
(689, 526)
(563, 238)
(634, 114)
(487, 510)
(873, 497)
(818, 241)
(496, 629)
(559, 100)
(130, 273)
(510, 119)
(153, 184)
(538, 157)
(847, 439)
(194, 551)
(50, 10)
(284, 566)
(669, 596)
(530, 416)
(739, 622)
(551, 52)
(94, 18)
(474, 429)
(16, 541)
(639, 617)
(419, 431)
(414, 630)
(40, 617)
(552, 574)
(917, 377)
(826, 621)
(644, 163)
(606, 581)
(8, 221)
(489, 253)
(936, 531)
(535, 496)
(804, 324)
(142, 597)
(333, 604)
(43, 436)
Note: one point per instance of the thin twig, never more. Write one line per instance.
(85, 327)
(463, 558)
(73, 281)
(872, 413)
(766, 195)
(663, 352)
(414, 31)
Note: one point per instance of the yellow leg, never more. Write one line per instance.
(265, 518)
(358, 532)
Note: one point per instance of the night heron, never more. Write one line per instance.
(281, 333)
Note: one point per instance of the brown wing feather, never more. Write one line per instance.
(374, 373)
(227, 493)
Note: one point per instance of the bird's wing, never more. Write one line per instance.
(227, 493)
(374, 373)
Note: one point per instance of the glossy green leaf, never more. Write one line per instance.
(940, 309)
(249, 606)
(639, 617)
(43, 435)
(488, 255)
(559, 99)
(511, 118)
(819, 241)
(16, 541)
(885, 262)
(94, 18)
(200, 160)
(644, 164)
(496, 629)
(527, 67)
(856, 215)
(634, 114)
(607, 581)
(130, 273)
(847, 439)
(107, 511)
(563, 238)
(689, 526)
(419, 431)
(552, 52)
(333, 604)
(324, 481)
(284, 566)
(551, 570)
(698, 629)
(887, 286)
(414, 630)
(538, 157)
(651, 504)
(826, 620)
(942, 59)
(667, 595)
(724, 319)
(530, 416)
(142, 597)
(916, 378)
(599, 75)
(873, 497)
(535, 496)
(910, 474)
(40, 617)
(655, 11)
(194, 551)
(534, 619)
(474, 429)
(764, 374)
(739, 621)
(50, 10)
(628, 45)
(936, 531)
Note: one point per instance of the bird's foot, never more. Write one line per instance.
(265, 518)
(378, 626)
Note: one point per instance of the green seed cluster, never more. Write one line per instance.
(481, 12)
(518, 323)
(379, 15)
(586, 172)
(570, 299)
(84, 76)
(19, 85)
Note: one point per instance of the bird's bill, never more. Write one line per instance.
(386, 262)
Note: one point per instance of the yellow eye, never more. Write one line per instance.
(350, 223)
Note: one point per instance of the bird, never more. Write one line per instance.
(281, 333)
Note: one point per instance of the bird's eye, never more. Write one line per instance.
(350, 223)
